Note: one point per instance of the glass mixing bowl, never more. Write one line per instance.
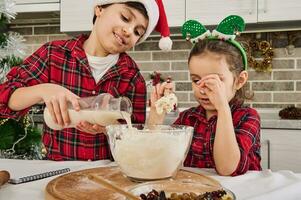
(149, 153)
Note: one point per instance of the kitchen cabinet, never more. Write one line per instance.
(175, 12)
(77, 15)
(281, 149)
(272, 11)
(23, 6)
(210, 12)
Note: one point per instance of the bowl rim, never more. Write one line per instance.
(181, 181)
(158, 127)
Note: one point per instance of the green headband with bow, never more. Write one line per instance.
(193, 31)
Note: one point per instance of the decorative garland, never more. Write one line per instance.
(265, 50)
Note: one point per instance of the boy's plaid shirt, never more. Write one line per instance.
(65, 63)
(246, 123)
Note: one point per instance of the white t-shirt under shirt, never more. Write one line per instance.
(100, 65)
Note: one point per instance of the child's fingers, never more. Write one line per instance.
(51, 111)
(212, 84)
(200, 83)
(165, 86)
(74, 101)
(99, 129)
(105, 102)
(64, 110)
(91, 128)
(170, 86)
(83, 126)
(79, 127)
(158, 90)
(212, 76)
(57, 112)
(207, 91)
(153, 96)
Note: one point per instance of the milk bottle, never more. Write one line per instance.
(103, 110)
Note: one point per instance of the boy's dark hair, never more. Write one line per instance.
(233, 58)
(132, 4)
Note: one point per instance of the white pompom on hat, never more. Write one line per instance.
(157, 19)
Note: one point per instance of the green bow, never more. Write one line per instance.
(194, 31)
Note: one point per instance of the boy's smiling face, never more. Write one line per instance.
(118, 28)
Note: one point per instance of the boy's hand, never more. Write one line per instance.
(56, 99)
(212, 86)
(90, 128)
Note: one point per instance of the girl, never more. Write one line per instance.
(226, 134)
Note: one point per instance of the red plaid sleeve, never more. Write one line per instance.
(33, 71)
(247, 131)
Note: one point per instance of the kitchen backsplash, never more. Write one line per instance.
(275, 89)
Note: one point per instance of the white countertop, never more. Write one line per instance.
(253, 185)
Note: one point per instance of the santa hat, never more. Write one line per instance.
(157, 19)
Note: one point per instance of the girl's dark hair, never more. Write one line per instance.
(233, 58)
(132, 4)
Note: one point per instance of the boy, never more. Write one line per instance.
(61, 72)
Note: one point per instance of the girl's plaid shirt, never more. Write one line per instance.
(65, 63)
(246, 124)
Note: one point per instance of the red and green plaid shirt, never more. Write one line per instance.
(246, 123)
(65, 63)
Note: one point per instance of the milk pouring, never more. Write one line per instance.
(103, 110)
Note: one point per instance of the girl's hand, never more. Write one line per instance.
(90, 128)
(56, 99)
(212, 86)
(158, 91)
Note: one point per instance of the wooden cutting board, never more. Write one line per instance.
(77, 186)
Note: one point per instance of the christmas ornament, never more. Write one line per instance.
(265, 50)
(227, 30)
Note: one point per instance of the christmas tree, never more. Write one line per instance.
(18, 138)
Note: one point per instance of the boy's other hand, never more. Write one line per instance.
(56, 99)
(90, 128)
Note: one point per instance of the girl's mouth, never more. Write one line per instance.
(205, 101)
